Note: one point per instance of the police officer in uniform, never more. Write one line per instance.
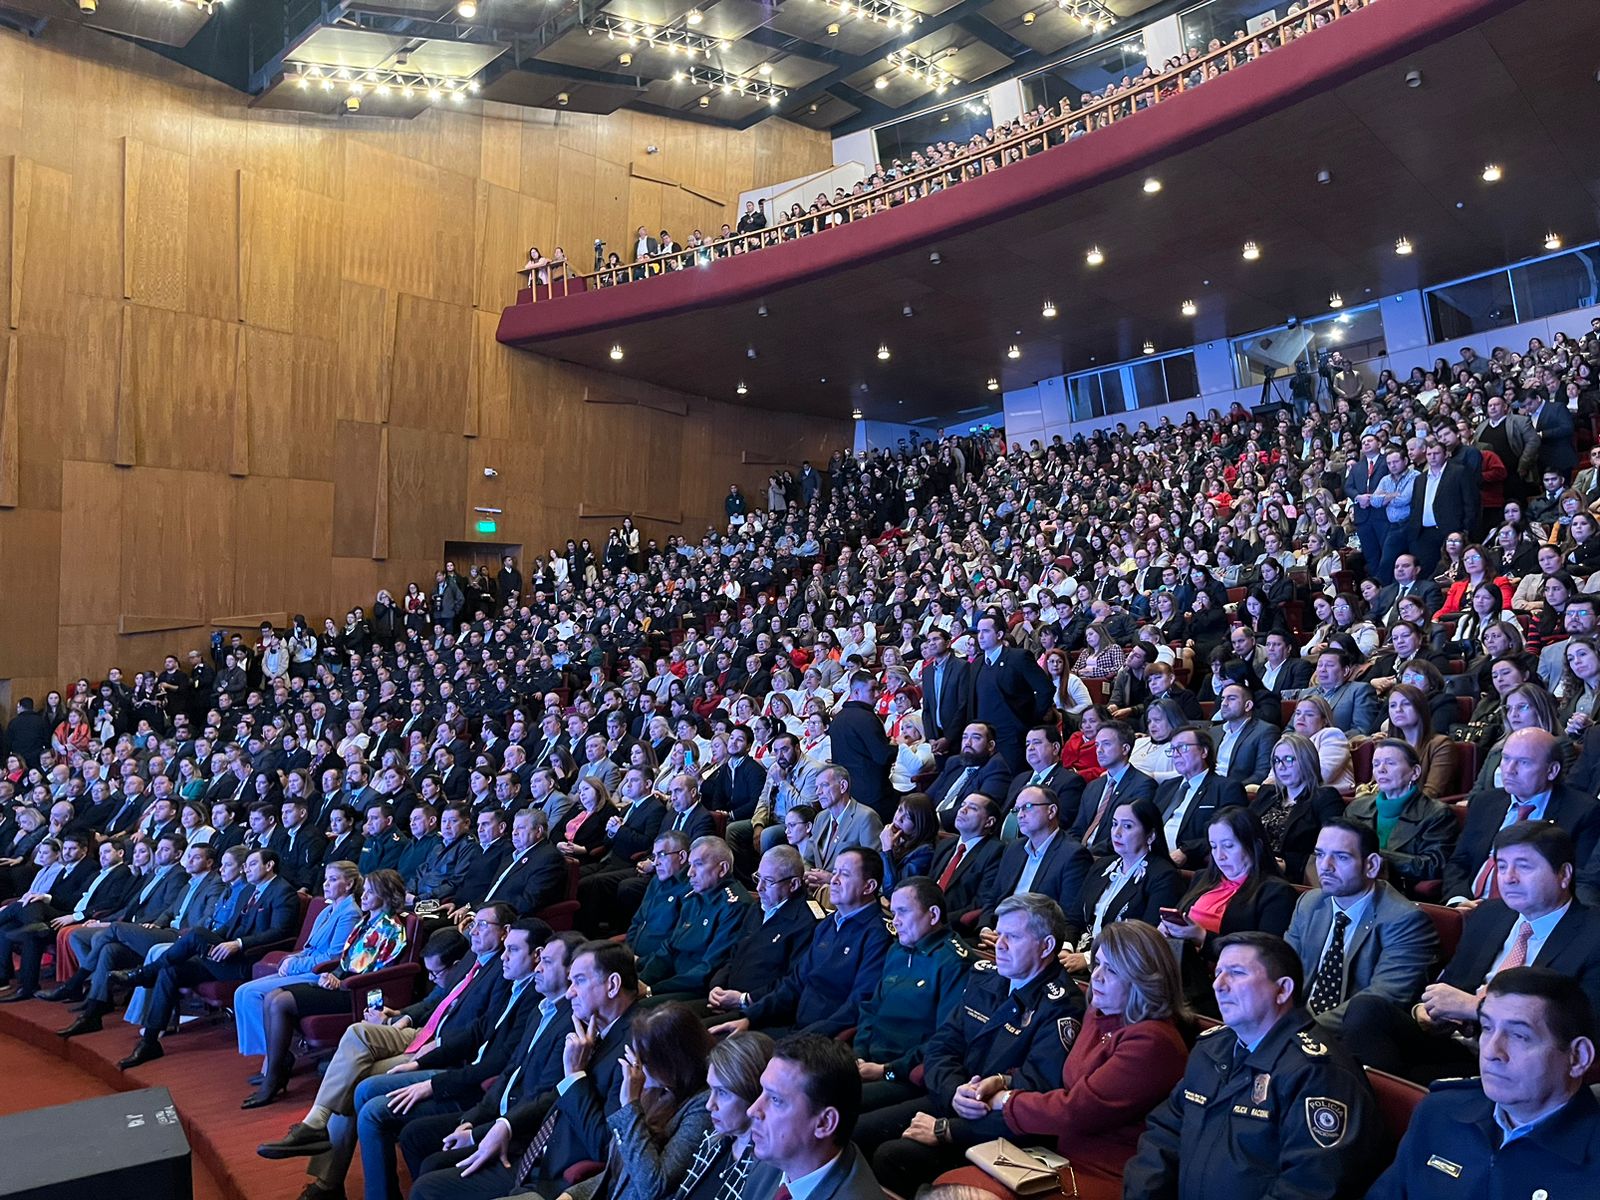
(1018, 1017)
(777, 930)
(923, 980)
(1528, 1127)
(825, 988)
(709, 920)
(669, 883)
(1268, 1106)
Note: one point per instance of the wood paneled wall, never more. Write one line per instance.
(247, 359)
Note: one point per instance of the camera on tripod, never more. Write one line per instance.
(599, 253)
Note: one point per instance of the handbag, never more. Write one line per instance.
(1027, 1172)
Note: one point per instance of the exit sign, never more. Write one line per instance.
(487, 525)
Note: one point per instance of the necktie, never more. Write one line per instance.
(1327, 989)
(1486, 886)
(535, 1151)
(1106, 796)
(782, 1193)
(512, 866)
(953, 796)
(1517, 956)
(437, 1019)
(950, 867)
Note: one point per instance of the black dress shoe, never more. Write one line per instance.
(67, 991)
(266, 1095)
(317, 1190)
(148, 1050)
(13, 997)
(88, 1023)
(301, 1141)
(133, 977)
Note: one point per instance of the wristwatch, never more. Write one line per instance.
(941, 1129)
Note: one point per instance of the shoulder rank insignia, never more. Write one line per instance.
(1311, 1046)
(983, 964)
(1213, 1029)
(960, 948)
(1055, 991)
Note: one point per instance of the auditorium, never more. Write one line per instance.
(872, 600)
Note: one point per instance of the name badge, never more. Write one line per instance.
(1444, 1164)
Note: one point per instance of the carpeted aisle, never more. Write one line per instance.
(203, 1071)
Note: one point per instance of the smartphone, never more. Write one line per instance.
(1172, 916)
(375, 998)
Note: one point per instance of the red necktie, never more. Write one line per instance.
(1517, 956)
(950, 867)
(439, 1014)
(782, 1193)
(1486, 886)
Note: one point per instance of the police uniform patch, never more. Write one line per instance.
(1311, 1046)
(1326, 1118)
(1444, 1164)
(1055, 990)
(1213, 1030)
(983, 964)
(1258, 1092)
(1067, 1030)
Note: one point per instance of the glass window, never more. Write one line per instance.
(1084, 393)
(1356, 331)
(1471, 306)
(1111, 389)
(1092, 71)
(1223, 21)
(1183, 380)
(958, 121)
(1149, 383)
(1555, 285)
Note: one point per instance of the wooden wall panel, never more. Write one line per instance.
(297, 403)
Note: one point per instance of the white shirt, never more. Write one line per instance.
(1181, 809)
(1542, 928)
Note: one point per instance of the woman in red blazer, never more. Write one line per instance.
(1126, 1060)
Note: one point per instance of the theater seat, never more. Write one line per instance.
(1361, 762)
(320, 1034)
(579, 1171)
(1397, 1100)
(217, 994)
(1447, 925)
(560, 915)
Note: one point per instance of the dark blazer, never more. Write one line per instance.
(1455, 504)
(765, 949)
(992, 779)
(163, 899)
(1268, 910)
(635, 837)
(1388, 953)
(1569, 808)
(1060, 876)
(274, 918)
(1160, 886)
(1306, 819)
(537, 879)
(591, 831)
(1426, 590)
(1012, 695)
(119, 888)
(1292, 676)
(946, 715)
(347, 849)
(1215, 793)
(474, 1052)
(1251, 761)
(973, 876)
(533, 1072)
(301, 863)
(1135, 785)
(862, 747)
(735, 793)
(1420, 842)
(1554, 427)
(1066, 784)
(849, 1178)
(485, 869)
(696, 823)
(1573, 947)
(580, 1133)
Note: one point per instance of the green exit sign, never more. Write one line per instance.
(487, 525)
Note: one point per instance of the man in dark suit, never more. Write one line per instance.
(1442, 503)
(268, 916)
(1357, 934)
(1010, 691)
(535, 875)
(1045, 859)
(1531, 790)
(1537, 922)
(735, 786)
(29, 926)
(1188, 802)
(862, 747)
(1362, 479)
(946, 692)
(976, 769)
(301, 853)
(1282, 671)
(1042, 748)
(965, 866)
(1407, 582)
(1553, 423)
(1120, 784)
(1243, 743)
(807, 1078)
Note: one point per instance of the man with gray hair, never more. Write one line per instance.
(710, 918)
(1018, 1017)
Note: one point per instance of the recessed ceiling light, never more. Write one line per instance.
(467, 9)
(1251, 251)
(765, 68)
(1336, 301)
(1402, 246)
(855, 414)
(1049, 309)
(1552, 241)
(883, 351)
(1492, 172)
(741, 389)
(1094, 258)
(1013, 352)
(616, 353)
(625, 59)
(1188, 308)
(881, 82)
(993, 385)
(1149, 347)
(1152, 185)
(695, 16)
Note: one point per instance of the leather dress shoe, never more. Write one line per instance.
(88, 1023)
(67, 991)
(148, 1050)
(301, 1141)
(133, 977)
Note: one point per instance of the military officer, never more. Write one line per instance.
(1528, 1126)
(824, 989)
(1018, 1017)
(923, 979)
(669, 883)
(1267, 1106)
(710, 917)
(382, 843)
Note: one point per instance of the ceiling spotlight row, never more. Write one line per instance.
(674, 39)
(881, 12)
(715, 80)
(380, 82)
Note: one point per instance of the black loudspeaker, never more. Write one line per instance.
(128, 1144)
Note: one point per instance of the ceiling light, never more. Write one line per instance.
(1152, 186)
(1188, 308)
(1552, 241)
(761, 311)
(1028, 18)
(883, 352)
(562, 98)
(616, 353)
(625, 59)
(705, 101)
(1336, 301)
(1251, 252)
(88, 7)
(765, 68)
(741, 389)
(1013, 351)
(1402, 246)
(1049, 309)
(833, 31)
(1094, 258)
(881, 82)
(694, 18)
(352, 103)
(467, 9)
(855, 414)
(1149, 347)
(435, 95)
(1492, 172)
(993, 385)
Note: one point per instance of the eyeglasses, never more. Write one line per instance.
(1283, 760)
(1176, 746)
(482, 924)
(1029, 807)
(766, 881)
